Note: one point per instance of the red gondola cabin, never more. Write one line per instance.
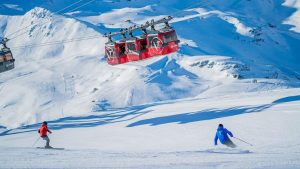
(152, 43)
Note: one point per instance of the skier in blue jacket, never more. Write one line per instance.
(221, 134)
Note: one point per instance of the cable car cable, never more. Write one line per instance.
(76, 39)
(57, 12)
(50, 20)
(53, 13)
(57, 42)
(192, 5)
(71, 10)
(82, 5)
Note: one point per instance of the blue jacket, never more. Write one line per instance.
(221, 134)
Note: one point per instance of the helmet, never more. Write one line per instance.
(221, 125)
(45, 122)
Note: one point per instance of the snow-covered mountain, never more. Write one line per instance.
(243, 42)
(229, 49)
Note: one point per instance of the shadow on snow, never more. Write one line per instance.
(211, 113)
(129, 113)
(106, 117)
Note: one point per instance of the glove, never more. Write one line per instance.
(38, 131)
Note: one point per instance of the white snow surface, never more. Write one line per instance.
(169, 134)
(294, 18)
(238, 64)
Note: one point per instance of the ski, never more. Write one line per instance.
(52, 148)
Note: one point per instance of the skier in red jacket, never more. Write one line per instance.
(43, 133)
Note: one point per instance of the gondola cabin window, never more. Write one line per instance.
(170, 37)
(110, 52)
(143, 44)
(153, 41)
(131, 47)
(122, 49)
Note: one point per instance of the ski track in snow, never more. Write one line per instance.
(36, 158)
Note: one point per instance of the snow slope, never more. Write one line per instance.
(172, 134)
(157, 113)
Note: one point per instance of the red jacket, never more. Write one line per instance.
(43, 130)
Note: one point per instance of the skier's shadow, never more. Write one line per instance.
(210, 114)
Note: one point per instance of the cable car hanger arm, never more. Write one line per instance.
(142, 27)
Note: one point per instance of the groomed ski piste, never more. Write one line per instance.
(238, 65)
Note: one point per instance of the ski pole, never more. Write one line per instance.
(242, 141)
(35, 141)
